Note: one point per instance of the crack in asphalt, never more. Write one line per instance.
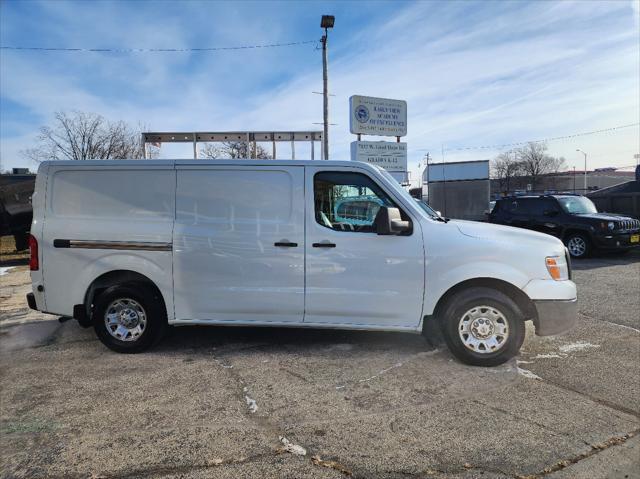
(602, 402)
(163, 469)
(558, 466)
(525, 419)
(595, 449)
(610, 322)
(275, 430)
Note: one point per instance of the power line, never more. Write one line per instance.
(156, 50)
(555, 138)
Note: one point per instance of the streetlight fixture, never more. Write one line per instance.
(585, 169)
(326, 23)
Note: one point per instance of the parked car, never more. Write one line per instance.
(572, 218)
(131, 246)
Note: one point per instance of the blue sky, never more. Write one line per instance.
(473, 73)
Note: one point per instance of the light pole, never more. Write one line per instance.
(326, 23)
(585, 170)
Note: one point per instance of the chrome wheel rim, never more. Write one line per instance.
(483, 329)
(125, 319)
(577, 246)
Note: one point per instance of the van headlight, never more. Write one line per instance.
(557, 267)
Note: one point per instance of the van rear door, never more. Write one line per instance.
(239, 243)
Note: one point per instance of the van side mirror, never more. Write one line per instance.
(389, 222)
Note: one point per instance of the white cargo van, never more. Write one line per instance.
(131, 246)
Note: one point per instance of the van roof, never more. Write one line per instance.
(192, 162)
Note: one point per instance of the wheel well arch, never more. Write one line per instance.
(524, 303)
(112, 278)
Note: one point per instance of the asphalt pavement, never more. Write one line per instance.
(249, 402)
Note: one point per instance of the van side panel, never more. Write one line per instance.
(239, 244)
(106, 219)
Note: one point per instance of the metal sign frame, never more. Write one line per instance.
(249, 137)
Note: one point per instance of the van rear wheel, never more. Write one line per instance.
(482, 326)
(129, 318)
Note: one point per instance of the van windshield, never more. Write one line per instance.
(427, 209)
(404, 193)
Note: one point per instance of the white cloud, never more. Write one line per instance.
(472, 73)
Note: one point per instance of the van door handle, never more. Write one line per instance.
(286, 244)
(324, 244)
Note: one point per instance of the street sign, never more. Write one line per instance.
(377, 116)
(385, 154)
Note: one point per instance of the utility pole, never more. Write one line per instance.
(326, 23)
(585, 170)
(574, 180)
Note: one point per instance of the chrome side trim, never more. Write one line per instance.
(126, 245)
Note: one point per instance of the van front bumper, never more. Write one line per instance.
(555, 316)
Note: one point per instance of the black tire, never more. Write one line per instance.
(154, 312)
(573, 242)
(479, 298)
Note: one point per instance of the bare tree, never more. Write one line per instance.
(85, 136)
(536, 162)
(505, 168)
(233, 150)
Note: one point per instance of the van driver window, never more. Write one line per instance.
(347, 201)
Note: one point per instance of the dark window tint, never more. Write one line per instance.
(548, 204)
(516, 206)
(536, 207)
(529, 206)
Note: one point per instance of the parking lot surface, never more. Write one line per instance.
(233, 402)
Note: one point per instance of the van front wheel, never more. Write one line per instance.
(482, 326)
(129, 318)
